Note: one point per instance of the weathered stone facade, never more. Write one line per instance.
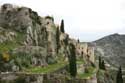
(84, 50)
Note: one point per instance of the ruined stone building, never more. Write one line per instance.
(85, 50)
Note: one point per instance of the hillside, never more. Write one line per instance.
(112, 48)
(33, 49)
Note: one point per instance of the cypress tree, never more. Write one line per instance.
(62, 26)
(103, 65)
(72, 61)
(100, 62)
(57, 39)
(78, 41)
(119, 78)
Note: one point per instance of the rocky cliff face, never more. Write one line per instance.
(112, 48)
(28, 39)
(24, 20)
(24, 33)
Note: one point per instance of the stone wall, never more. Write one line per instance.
(85, 51)
(40, 78)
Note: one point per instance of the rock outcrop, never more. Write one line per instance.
(24, 32)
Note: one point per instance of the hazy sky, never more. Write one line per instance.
(87, 20)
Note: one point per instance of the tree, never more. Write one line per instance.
(100, 62)
(103, 65)
(119, 78)
(78, 41)
(57, 39)
(6, 56)
(62, 26)
(72, 61)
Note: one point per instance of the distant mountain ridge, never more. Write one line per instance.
(112, 48)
